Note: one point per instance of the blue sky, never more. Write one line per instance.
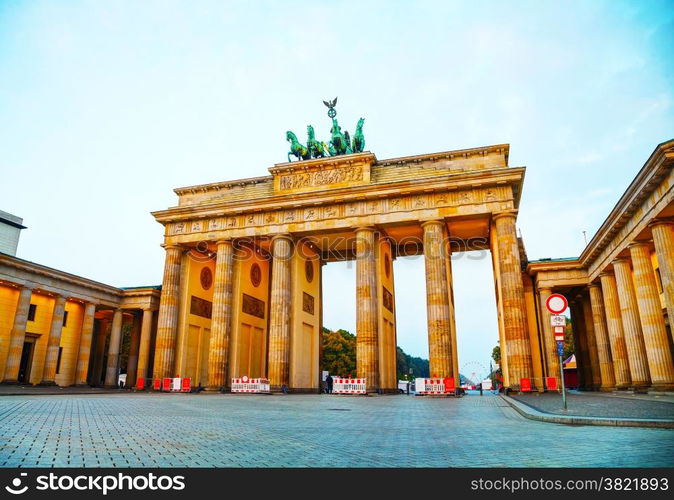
(105, 107)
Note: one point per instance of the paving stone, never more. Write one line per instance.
(151, 430)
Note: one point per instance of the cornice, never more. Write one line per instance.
(645, 182)
(448, 182)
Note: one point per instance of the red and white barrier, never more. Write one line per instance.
(434, 385)
(348, 385)
(251, 385)
(176, 384)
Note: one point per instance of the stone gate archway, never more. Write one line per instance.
(242, 282)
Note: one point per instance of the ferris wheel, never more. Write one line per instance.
(475, 371)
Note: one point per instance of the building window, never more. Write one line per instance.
(31, 312)
(58, 360)
(65, 318)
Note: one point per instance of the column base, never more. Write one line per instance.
(214, 389)
(108, 386)
(640, 389)
(47, 383)
(12, 382)
(607, 389)
(661, 388)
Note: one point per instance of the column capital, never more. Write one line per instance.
(606, 274)
(545, 289)
(224, 241)
(594, 285)
(621, 260)
(366, 228)
(661, 222)
(433, 222)
(505, 213)
(171, 246)
(283, 236)
(638, 244)
(27, 286)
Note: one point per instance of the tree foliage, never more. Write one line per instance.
(339, 357)
(339, 352)
(404, 362)
(496, 354)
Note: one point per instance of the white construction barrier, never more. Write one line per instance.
(348, 385)
(251, 385)
(434, 386)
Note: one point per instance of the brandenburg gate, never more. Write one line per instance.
(242, 287)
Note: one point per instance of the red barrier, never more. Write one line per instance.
(186, 385)
(166, 385)
(156, 385)
(525, 384)
(140, 384)
(449, 384)
(551, 383)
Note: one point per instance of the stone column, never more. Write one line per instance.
(97, 374)
(367, 358)
(54, 341)
(167, 325)
(17, 336)
(144, 346)
(84, 353)
(437, 301)
(580, 342)
(590, 336)
(518, 348)
(134, 347)
(111, 372)
(616, 333)
(602, 338)
(221, 321)
(663, 238)
(279, 314)
(634, 337)
(660, 363)
(549, 344)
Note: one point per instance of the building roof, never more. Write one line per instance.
(11, 220)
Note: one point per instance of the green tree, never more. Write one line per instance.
(496, 354)
(339, 357)
(339, 352)
(404, 362)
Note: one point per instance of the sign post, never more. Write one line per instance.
(560, 353)
(556, 305)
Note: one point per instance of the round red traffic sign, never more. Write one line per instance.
(556, 303)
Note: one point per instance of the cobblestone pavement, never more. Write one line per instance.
(595, 405)
(179, 430)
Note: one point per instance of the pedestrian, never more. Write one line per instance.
(328, 381)
(480, 388)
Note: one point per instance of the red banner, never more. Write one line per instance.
(525, 384)
(449, 384)
(551, 383)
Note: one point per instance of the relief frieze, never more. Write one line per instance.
(321, 177)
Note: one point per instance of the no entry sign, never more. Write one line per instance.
(556, 303)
